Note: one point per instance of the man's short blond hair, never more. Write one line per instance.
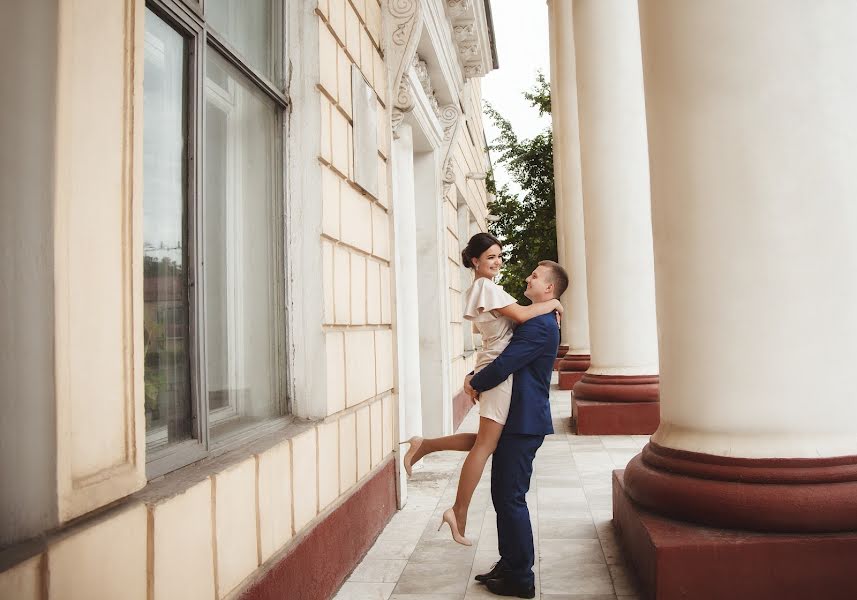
(558, 276)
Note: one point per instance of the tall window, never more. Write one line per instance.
(214, 106)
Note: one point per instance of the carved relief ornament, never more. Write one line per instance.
(451, 120)
(405, 17)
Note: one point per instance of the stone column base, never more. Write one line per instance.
(567, 379)
(615, 405)
(680, 560)
(589, 417)
(572, 368)
(560, 354)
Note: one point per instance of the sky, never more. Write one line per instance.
(521, 32)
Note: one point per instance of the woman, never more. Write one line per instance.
(494, 314)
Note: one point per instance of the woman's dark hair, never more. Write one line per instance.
(478, 244)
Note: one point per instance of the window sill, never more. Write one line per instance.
(227, 453)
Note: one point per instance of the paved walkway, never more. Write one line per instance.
(570, 500)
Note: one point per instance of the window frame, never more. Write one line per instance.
(188, 19)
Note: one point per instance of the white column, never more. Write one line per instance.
(433, 297)
(567, 177)
(619, 264)
(752, 111)
(559, 196)
(407, 299)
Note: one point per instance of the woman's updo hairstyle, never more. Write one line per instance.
(478, 244)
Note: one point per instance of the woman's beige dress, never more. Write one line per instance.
(481, 301)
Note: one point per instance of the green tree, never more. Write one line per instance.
(526, 222)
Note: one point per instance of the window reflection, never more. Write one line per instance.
(165, 277)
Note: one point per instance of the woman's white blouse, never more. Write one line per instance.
(481, 301)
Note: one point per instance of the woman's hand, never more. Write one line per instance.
(558, 311)
(474, 395)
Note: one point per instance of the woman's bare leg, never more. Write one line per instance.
(459, 441)
(474, 465)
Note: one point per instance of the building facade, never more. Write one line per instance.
(233, 283)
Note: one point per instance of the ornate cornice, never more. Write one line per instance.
(421, 69)
(458, 8)
(473, 53)
(406, 22)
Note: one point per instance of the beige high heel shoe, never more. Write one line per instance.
(413, 446)
(449, 518)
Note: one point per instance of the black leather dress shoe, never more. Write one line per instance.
(504, 587)
(496, 571)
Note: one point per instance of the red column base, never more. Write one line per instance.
(572, 368)
(615, 405)
(560, 354)
(679, 560)
(589, 417)
(567, 379)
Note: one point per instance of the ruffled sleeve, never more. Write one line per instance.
(483, 297)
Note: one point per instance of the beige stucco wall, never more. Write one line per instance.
(209, 526)
(200, 532)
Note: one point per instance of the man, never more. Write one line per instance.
(530, 356)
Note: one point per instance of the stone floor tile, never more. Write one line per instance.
(619, 441)
(556, 495)
(578, 597)
(563, 577)
(411, 535)
(391, 550)
(557, 553)
(418, 503)
(374, 570)
(557, 528)
(365, 591)
(427, 597)
(434, 578)
(612, 550)
(621, 458)
(558, 481)
(443, 551)
(407, 518)
(624, 582)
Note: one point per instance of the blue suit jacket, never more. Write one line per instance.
(530, 357)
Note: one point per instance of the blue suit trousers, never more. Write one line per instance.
(511, 471)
